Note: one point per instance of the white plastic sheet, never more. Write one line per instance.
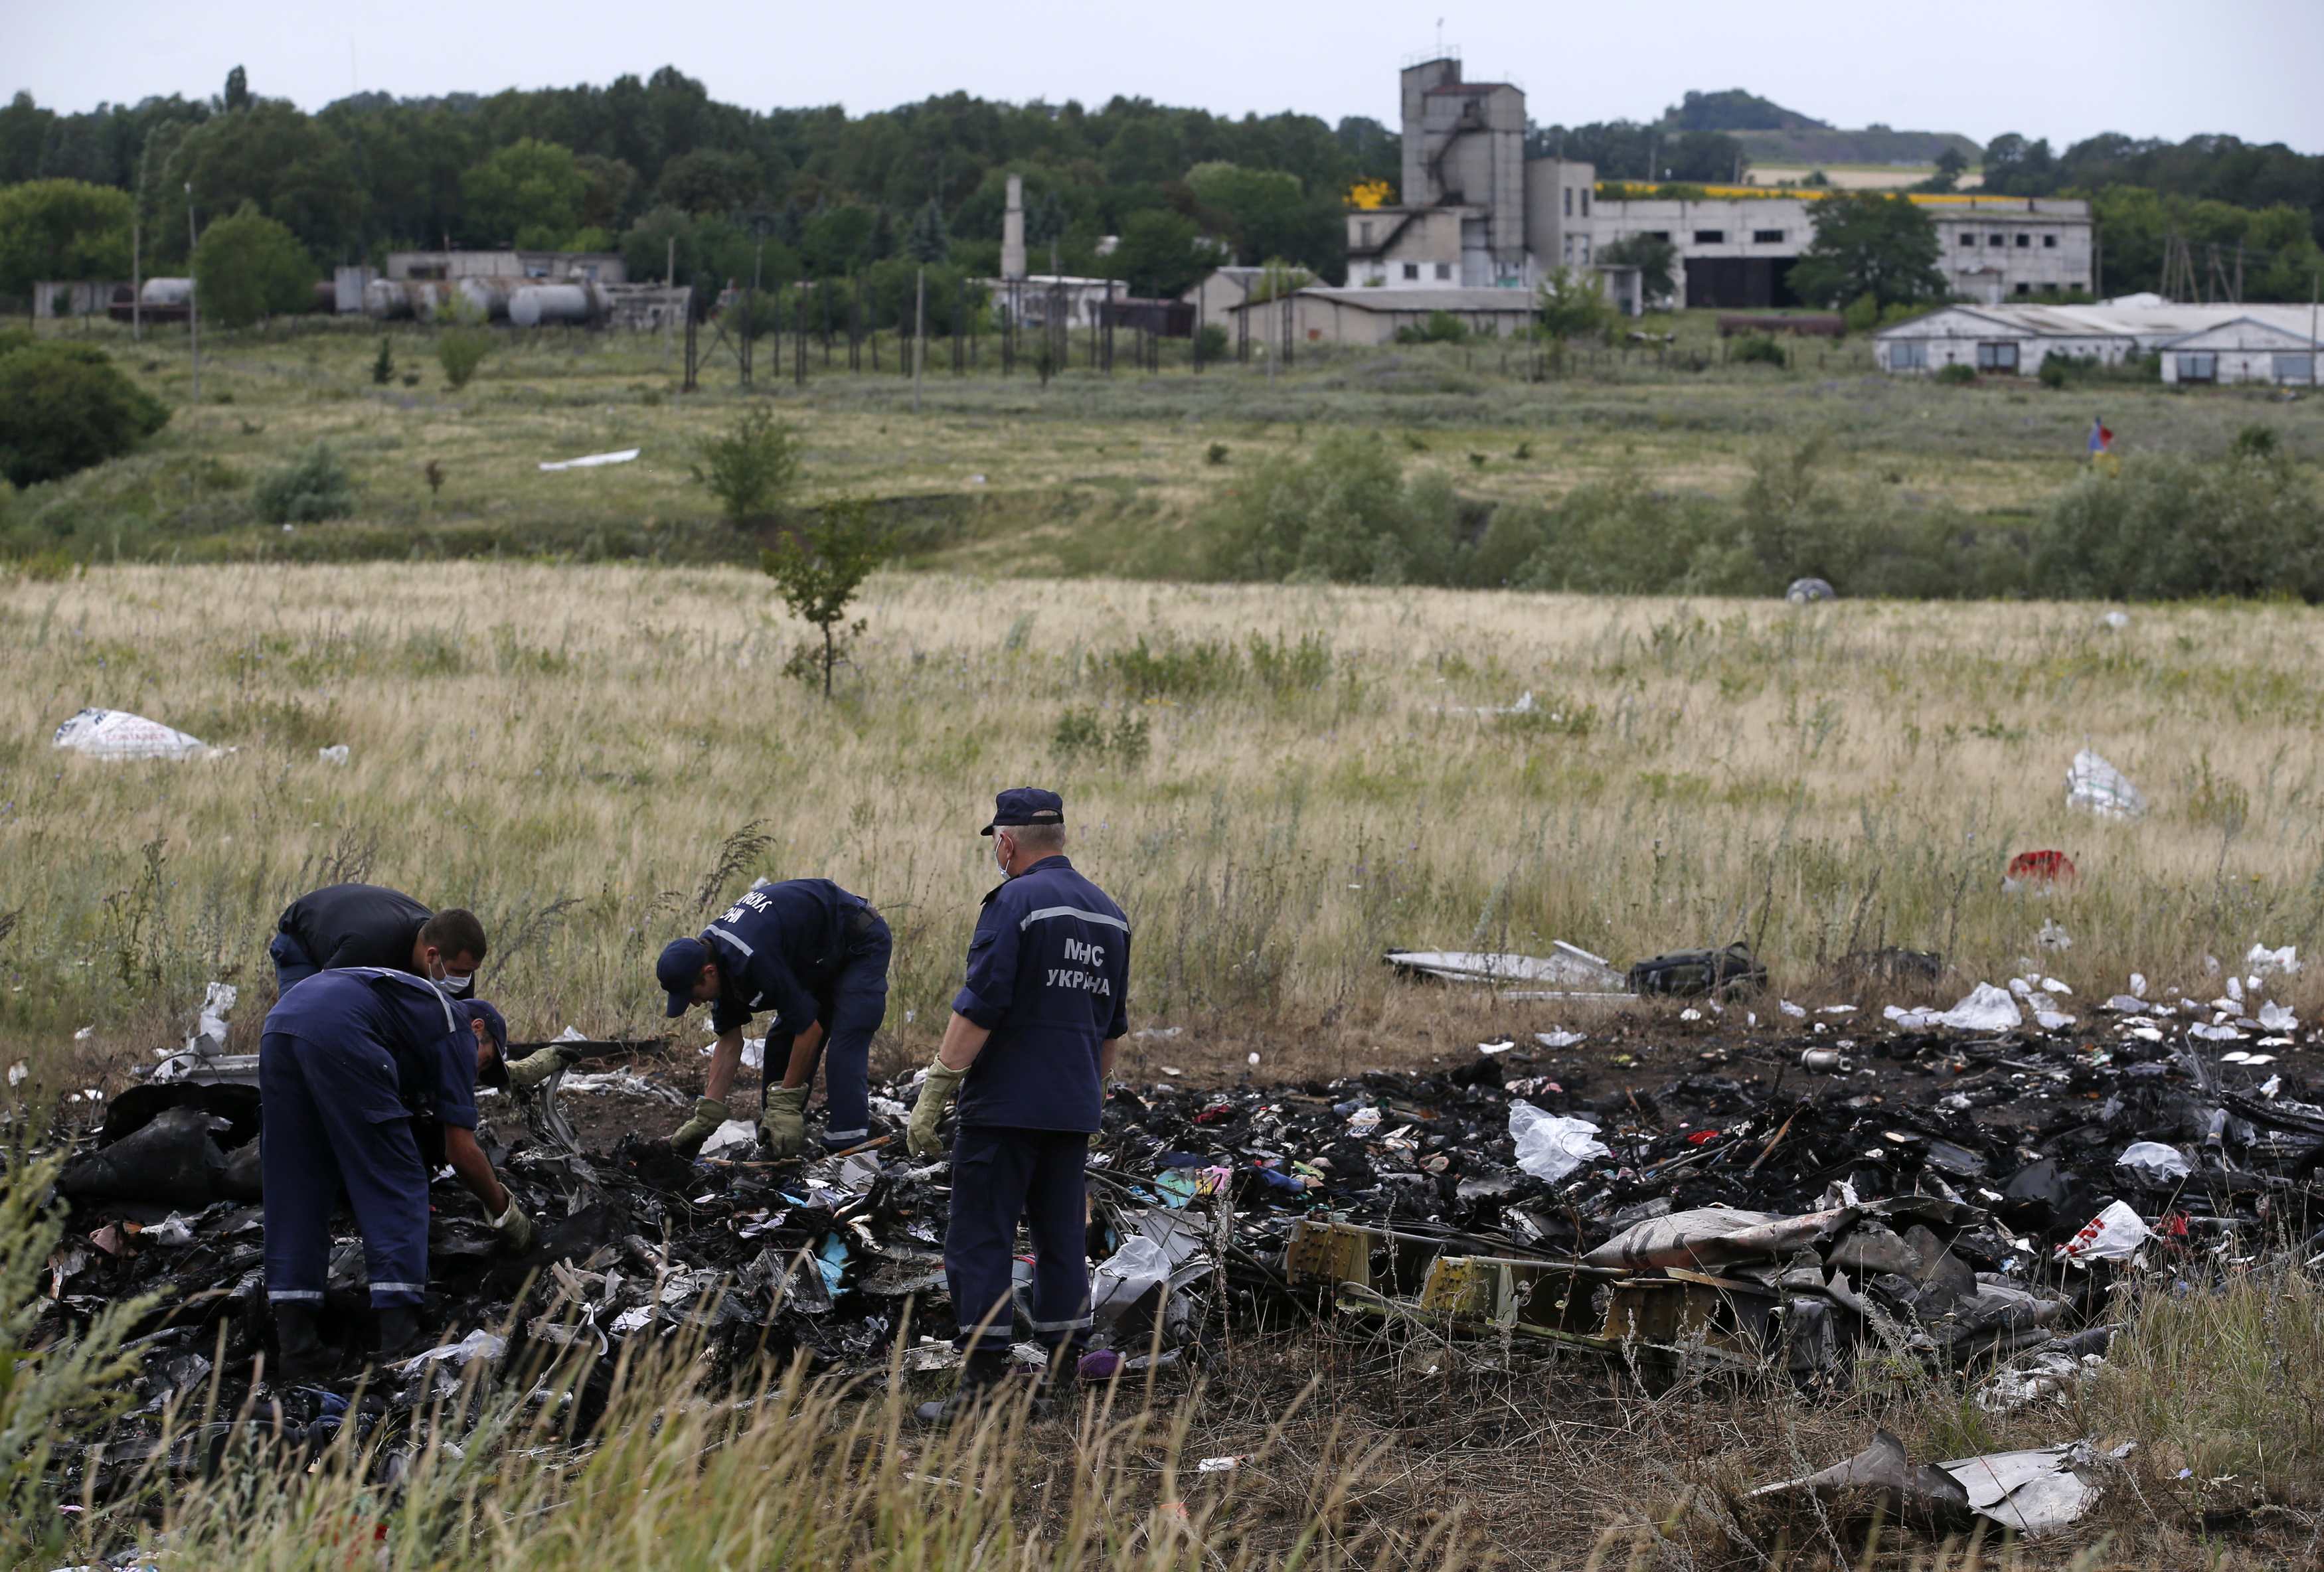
(1569, 968)
(1551, 1146)
(1987, 1008)
(2097, 787)
(2155, 1163)
(2116, 1234)
(98, 734)
(2263, 962)
(593, 460)
(735, 1136)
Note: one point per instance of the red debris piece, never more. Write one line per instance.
(2042, 868)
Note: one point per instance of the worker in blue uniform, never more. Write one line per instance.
(347, 1059)
(369, 925)
(817, 957)
(1031, 1043)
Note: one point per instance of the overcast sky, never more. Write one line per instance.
(2045, 68)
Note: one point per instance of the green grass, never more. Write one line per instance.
(1092, 467)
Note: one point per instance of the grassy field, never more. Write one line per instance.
(1277, 783)
(1083, 476)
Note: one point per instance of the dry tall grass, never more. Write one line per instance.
(566, 749)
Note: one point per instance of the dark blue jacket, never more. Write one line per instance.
(1049, 973)
(779, 947)
(427, 1058)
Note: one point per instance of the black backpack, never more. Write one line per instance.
(1689, 973)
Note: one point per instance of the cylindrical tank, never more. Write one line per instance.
(386, 299)
(535, 304)
(486, 299)
(167, 291)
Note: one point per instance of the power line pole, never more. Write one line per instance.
(193, 298)
(919, 335)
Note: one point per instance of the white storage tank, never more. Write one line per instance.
(535, 304)
(167, 291)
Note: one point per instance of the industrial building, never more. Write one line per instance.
(1321, 315)
(2221, 342)
(1476, 213)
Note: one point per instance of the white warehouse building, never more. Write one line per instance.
(2198, 343)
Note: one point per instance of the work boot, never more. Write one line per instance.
(982, 1379)
(709, 1113)
(304, 1355)
(399, 1332)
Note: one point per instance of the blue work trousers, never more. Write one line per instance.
(852, 1013)
(997, 1176)
(330, 1118)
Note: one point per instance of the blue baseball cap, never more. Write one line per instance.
(494, 1074)
(678, 969)
(1025, 805)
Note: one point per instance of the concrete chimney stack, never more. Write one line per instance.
(1013, 231)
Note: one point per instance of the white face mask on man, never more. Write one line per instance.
(452, 982)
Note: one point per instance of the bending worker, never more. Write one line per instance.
(347, 1059)
(817, 956)
(1029, 1046)
(369, 925)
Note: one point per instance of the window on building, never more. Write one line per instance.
(2024, 242)
(1585, 201)
(1710, 237)
(1968, 239)
(1997, 240)
(2050, 289)
(1911, 354)
(2295, 368)
(2024, 289)
(1364, 234)
(1569, 201)
(1585, 249)
(1997, 357)
(1661, 234)
(2050, 241)
(1412, 270)
(2198, 368)
(1766, 237)
(1444, 269)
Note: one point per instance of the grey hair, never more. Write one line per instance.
(1038, 837)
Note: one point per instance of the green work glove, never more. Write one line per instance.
(920, 1139)
(783, 1128)
(515, 1229)
(529, 1072)
(709, 1113)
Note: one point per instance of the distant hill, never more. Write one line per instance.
(1735, 110)
(1873, 144)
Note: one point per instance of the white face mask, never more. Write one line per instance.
(453, 982)
(1000, 857)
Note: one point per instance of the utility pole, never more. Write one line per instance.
(669, 283)
(193, 295)
(136, 278)
(2313, 279)
(919, 335)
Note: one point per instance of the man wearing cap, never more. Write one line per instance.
(1029, 1046)
(347, 1059)
(369, 925)
(817, 957)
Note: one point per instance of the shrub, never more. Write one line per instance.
(65, 408)
(460, 351)
(1215, 454)
(1210, 342)
(2053, 373)
(2164, 528)
(751, 464)
(313, 487)
(1956, 375)
(1760, 350)
(1084, 734)
(1863, 313)
(1440, 327)
(1344, 515)
(383, 365)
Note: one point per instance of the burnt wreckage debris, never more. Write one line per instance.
(1958, 1197)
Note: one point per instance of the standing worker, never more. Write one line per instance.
(1029, 1046)
(347, 1059)
(369, 925)
(817, 956)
